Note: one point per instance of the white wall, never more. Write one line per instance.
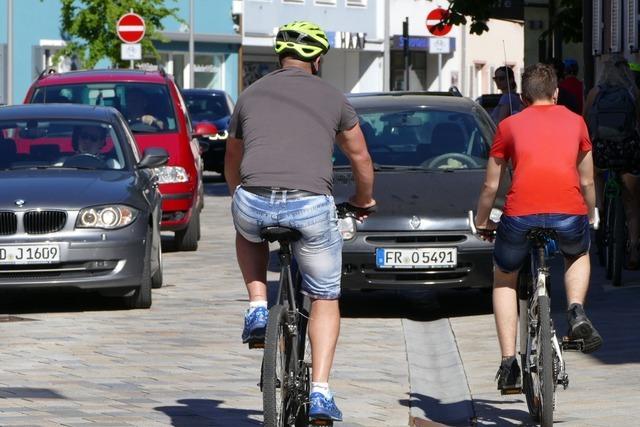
(352, 71)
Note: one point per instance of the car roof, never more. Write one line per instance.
(100, 76)
(57, 111)
(395, 100)
(214, 92)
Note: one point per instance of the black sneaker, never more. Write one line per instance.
(508, 376)
(580, 327)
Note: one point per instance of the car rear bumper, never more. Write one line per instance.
(87, 263)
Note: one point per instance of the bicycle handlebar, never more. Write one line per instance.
(346, 209)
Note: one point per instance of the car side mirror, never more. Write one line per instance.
(204, 129)
(153, 157)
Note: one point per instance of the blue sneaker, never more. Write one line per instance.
(322, 408)
(255, 326)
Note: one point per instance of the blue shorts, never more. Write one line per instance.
(319, 251)
(512, 246)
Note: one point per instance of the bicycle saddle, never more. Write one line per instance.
(280, 234)
(541, 235)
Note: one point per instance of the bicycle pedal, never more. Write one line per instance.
(572, 345)
(514, 390)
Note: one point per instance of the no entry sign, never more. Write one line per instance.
(130, 28)
(434, 18)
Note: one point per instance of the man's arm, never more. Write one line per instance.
(585, 169)
(351, 142)
(232, 160)
(495, 167)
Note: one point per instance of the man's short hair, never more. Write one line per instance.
(539, 82)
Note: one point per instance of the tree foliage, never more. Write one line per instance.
(567, 19)
(89, 28)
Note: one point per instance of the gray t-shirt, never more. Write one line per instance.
(288, 121)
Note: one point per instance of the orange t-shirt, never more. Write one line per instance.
(543, 143)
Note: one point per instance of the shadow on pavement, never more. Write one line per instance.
(449, 414)
(612, 310)
(55, 301)
(207, 412)
(29, 393)
(489, 415)
(415, 305)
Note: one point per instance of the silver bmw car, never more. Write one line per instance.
(79, 205)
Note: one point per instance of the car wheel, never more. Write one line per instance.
(141, 297)
(157, 279)
(187, 239)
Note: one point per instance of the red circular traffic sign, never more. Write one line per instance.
(434, 22)
(130, 28)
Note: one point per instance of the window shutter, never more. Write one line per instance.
(616, 24)
(632, 25)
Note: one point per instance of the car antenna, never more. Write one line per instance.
(506, 73)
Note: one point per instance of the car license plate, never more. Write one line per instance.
(29, 254)
(416, 258)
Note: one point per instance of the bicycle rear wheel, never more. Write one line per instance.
(537, 378)
(619, 241)
(275, 393)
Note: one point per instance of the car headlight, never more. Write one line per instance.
(347, 227)
(109, 217)
(495, 215)
(171, 174)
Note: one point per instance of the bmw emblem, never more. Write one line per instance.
(415, 222)
(19, 203)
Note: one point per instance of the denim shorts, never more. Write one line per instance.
(512, 246)
(318, 252)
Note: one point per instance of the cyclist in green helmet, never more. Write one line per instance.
(278, 166)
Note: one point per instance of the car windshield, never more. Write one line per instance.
(44, 144)
(206, 107)
(147, 107)
(424, 138)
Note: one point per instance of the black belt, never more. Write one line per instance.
(280, 192)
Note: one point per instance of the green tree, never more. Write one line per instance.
(565, 20)
(89, 28)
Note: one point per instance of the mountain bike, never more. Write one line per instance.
(613, 234)
(286, 365)
(543, 367)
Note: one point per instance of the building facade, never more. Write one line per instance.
(216, 47)
(355, 29)
(468, 61)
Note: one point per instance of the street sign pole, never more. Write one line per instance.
(405, 37)
(440, 72)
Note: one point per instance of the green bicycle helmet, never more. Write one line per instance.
(303, 39)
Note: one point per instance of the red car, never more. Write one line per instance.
(157, 115)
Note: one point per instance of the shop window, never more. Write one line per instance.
(356, 3)
(293, 1)
(325, 2)
(208, 71)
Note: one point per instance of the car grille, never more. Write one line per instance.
(43, 222)
(8, 223)
(441, 238)
(455, 275)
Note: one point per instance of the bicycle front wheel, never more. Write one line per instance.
(275, 393)
(619, 241)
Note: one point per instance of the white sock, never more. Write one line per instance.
(255, 304)
(321, 388)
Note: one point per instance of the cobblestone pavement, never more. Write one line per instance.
(78, 360)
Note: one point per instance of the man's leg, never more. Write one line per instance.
(324, 329)
(576, 278)
(505, 310)
(253, 259)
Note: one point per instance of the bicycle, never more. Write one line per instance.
(543, 367)
(286, 364)
(613, 234)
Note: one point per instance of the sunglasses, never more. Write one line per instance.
(90, 136)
